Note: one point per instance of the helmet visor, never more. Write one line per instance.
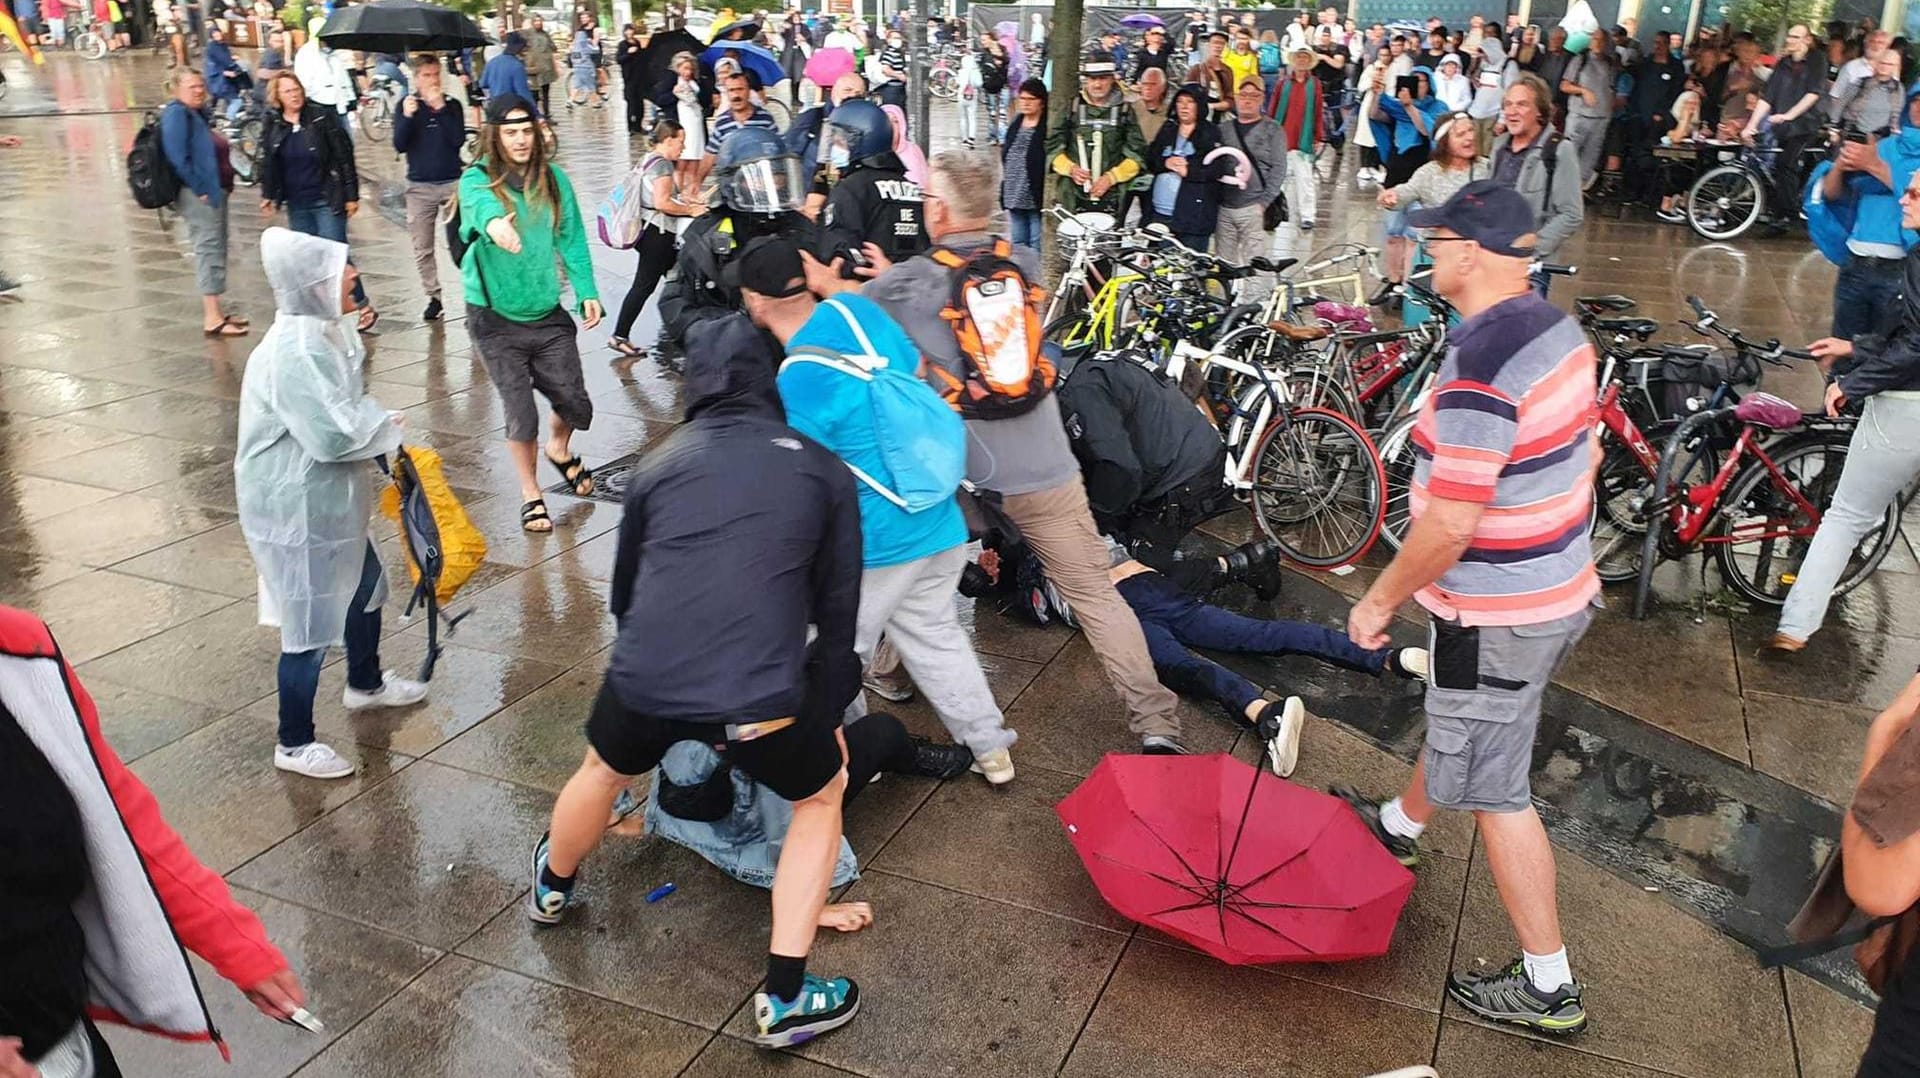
(769, 185)
(838, 144)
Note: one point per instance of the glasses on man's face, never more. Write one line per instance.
(1910, 193)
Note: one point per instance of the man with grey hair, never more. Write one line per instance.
(1857, 70)
(1242, 232)
(1024, 459)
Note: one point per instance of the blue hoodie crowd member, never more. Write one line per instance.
(1404, 126)
(737, 533)
(1853, 215)
(227, 80)
(507, 74)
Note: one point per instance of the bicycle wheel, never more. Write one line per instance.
(244, 150)
(90, 45)
(1763, 567)
(1724, 202)
(1397, 462)
(942, 84)
(1620, 489)
(1318, 487)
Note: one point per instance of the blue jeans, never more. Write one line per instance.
(320, 219)
(1173, 621)
(1864, 294)
(1025, 228)
(300, 670)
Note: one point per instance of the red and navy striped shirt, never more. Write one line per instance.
(1510, 425)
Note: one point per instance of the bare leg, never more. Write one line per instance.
(1522, 862)
(210, 313)
(1413, 800)
(805, 871)
(581, 811)
(523, 462)
(1396, 261)
(560, 441)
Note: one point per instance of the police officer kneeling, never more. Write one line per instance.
(760, 188)
(872, 201)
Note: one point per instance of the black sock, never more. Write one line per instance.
(784, 975)
(557, 882)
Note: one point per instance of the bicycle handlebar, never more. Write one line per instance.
(1551, 269)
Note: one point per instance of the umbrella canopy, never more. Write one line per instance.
(764, 64)
(1142, 21)
(663, 48)
(400, 26)
(1248, 868)
(826, 66)
(744, 30)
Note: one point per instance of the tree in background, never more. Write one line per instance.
(1768, 20)
(1063, 52)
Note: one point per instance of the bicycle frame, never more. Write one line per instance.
(1702, 504)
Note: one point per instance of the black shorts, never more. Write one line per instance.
(796, 762)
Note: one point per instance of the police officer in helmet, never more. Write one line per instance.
(760, 188)
(871, 201)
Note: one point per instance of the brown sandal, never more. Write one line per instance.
(227, 328)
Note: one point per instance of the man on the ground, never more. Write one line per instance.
(1499, 557)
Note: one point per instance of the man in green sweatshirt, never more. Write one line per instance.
(518, 211)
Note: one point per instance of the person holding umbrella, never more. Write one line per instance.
(796, 45)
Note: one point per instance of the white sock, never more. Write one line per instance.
(1397, 822)
(1548, 972)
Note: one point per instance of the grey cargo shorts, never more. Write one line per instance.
(1483, 708)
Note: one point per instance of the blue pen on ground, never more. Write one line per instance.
(661, 892)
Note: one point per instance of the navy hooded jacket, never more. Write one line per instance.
(738, 533)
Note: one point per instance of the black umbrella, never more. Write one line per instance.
(400, 26)
(663, 48)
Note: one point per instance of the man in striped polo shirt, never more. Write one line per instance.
(1498, 555)
(740, 112)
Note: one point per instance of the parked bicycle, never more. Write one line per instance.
(1730, 197)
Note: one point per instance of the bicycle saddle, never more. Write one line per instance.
(1628, 326)
(1273, 265)
(1767, 410)
(1606, 303)
(1300, 333)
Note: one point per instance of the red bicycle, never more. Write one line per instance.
(1759, 505)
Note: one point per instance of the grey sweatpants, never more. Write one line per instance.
(1589, 136)
(423, 220)
(913, 604)
(1239, 238)
(207, 231)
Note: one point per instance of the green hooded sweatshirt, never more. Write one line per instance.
(523, 287)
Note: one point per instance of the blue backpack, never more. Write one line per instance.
(923, 441)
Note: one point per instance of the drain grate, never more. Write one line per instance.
(609, 479)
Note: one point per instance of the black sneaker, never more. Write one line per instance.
(1404, 850)
(1161, 745)
(1258, 564)
(433, 311)
(1508, 995)
(936, 761)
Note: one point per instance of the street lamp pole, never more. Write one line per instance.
(919, 102)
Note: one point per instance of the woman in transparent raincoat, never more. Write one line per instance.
(305, 483)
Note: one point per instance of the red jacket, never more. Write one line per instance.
(1297, 118)
(138, 974)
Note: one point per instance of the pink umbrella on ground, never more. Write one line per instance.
(826, 66)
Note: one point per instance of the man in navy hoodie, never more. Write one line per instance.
(430, 130)
(739, 533)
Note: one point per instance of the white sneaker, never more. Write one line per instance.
(1283, 738)
(314, 760)
(1412, 662)
(996, 766)
(394, 691)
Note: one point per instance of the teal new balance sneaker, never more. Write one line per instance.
(821, 1006)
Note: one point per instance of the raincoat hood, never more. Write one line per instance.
(1194, 93)
(304, 271)
(730, 370)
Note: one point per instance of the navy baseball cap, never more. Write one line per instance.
(1488, 213)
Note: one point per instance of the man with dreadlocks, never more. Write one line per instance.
(517, 211)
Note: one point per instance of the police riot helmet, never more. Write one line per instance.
(757, 173)
(856, 131)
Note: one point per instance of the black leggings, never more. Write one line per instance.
(656, 258)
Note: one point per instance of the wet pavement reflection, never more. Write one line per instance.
(1689, 784)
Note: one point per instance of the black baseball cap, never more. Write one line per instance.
(500, 106)
(769, 266)
(1489, 214)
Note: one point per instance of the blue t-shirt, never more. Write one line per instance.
(832, 408)
(1166, 186)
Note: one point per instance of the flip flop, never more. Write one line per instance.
(227, 328)
(366, 324)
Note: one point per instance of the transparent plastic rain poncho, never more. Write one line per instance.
(307, 432)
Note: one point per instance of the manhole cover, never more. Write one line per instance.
(609, 479)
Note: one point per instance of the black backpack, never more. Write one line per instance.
(149, 173)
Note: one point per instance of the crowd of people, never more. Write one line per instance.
(856, 449)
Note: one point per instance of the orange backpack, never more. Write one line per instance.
(995, 315)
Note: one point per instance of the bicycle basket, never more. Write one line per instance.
(1681, 383)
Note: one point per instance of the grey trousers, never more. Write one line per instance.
(423, 220)
(207, 232)
(1238, 239)
(1589, 136)
(913, 603)
(1882, 459)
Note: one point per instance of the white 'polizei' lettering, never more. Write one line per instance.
(898, 190)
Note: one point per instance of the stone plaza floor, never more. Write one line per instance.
(1690, 784)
